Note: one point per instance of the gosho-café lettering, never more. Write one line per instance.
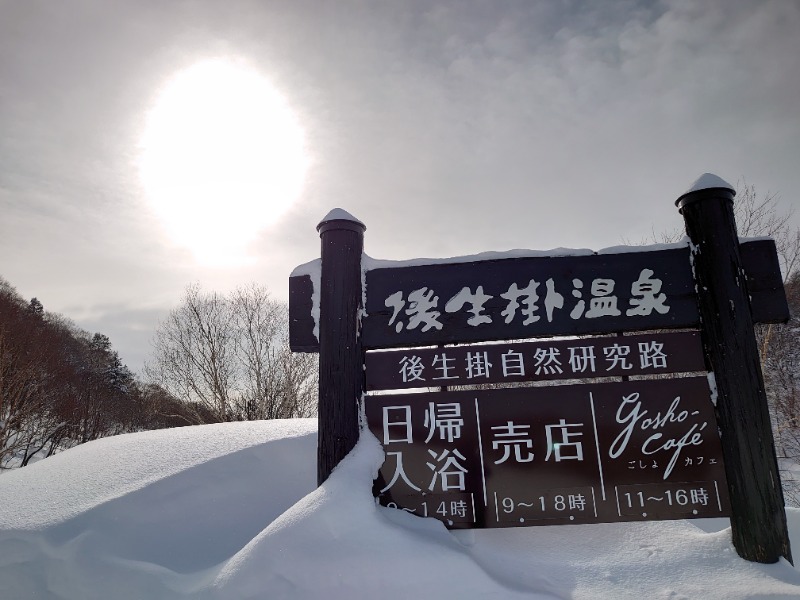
(632, 416)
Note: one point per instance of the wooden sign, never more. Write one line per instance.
(537, 296)
(596, 452)
(529, 297)
(593, 453)
(514, 362)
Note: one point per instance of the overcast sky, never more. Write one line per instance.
(448, 128)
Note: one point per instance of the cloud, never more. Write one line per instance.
(451, 127)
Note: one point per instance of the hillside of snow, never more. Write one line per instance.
(230, 511)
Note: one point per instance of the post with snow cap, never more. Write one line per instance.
(758, 517)
(341, 363)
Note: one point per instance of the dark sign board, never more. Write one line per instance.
(529, 297)
(591, 453)
(630, 450)
(512, 362)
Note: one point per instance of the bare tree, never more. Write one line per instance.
(762, 217)
(194, 352)
(229, 356)
(276, 383)
(781, 365)
(779, 343)
(757, 217)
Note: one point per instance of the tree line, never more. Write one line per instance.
(59, 385)
(780, 355)
(215, 358)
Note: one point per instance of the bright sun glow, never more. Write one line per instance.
(222, 157)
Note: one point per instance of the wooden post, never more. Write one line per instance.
(341, 364)
(758, 519)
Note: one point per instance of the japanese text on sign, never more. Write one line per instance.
(528, 297)
(421, 307)
(591, 453)
(530, 361)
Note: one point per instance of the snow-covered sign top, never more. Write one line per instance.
(339, 214)
(708, 181)
(522, 294)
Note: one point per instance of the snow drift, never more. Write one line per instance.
(230, 511)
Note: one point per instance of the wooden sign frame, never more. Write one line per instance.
(735, 284)
(671, 265)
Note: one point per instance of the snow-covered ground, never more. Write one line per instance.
(231, 511)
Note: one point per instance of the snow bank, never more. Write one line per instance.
(145, 515)
(351, 548)
(69, 483)
(231, 512)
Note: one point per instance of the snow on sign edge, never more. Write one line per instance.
(312, 268)
(339, 214)
(374, 263)
(708, 181)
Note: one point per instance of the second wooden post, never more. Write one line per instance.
(758, 518)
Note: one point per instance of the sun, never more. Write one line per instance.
(222, 157)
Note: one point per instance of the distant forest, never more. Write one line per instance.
(61, 386)
(216, 358)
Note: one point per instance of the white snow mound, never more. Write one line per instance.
(230, 511)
